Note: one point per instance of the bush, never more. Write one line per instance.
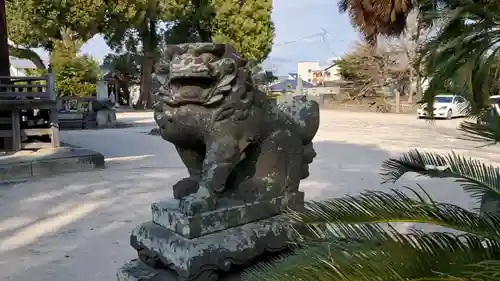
(74, 75)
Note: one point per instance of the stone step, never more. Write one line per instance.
(228, 214)
(24, 165)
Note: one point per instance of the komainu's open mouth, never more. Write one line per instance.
(201, 82)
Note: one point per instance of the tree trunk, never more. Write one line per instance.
(204, 33)
(149, 38)
(417, 66)
(145, 100)
(397, 94)
(27, 54)
(4, 45)
(410, 88)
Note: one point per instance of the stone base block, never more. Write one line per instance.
(229, 213)
(203, 258)
(47, 162)
(135, 270)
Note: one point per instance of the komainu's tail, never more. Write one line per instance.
(305, 114)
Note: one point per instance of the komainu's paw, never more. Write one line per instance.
(185, 187)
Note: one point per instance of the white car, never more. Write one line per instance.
(445, 106)
(495, 102)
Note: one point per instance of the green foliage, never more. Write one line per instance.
(463, 55)
(246, 25)
(36, 23)
(131, 23)
(74, 75)
(127, 65)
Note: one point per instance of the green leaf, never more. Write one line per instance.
(475, 177)
(381, 207)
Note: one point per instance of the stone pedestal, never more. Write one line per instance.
(203, 247)
(106, 118)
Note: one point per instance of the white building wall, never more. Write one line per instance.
(305, 70)
(16, 72)
(314, 72)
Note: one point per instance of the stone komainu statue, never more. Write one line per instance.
(233, 140)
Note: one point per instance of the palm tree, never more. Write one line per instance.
(464, 53)
(377, 17)
(351, 238)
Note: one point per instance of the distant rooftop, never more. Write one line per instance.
(288, 85)
(21, 63)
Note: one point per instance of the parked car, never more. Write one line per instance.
(445, 106)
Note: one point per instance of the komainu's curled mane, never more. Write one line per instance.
(233, 140)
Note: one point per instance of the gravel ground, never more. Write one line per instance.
(76, 226)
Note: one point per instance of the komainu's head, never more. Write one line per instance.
(198, 73)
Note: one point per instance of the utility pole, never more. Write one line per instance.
(4, 45)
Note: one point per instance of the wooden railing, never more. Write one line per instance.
(26, 99)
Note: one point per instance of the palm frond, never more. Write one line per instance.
(464, 51)
(389, 256)
(475, 177)
(373, 207)
(486, 133)
(485, 270)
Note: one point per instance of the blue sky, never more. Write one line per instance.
(294, 20)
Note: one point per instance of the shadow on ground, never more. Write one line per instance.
(76, 226)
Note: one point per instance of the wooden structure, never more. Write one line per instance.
(28, 110)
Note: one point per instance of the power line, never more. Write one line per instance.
(322, 34)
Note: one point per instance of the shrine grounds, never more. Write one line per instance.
(76, 226)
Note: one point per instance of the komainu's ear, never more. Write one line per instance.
(230, 52)
(215, 49)
(174, 50)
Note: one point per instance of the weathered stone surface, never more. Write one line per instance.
(229, 213)
(233, 140)
(245, 158)
(46, 162)
(106, 118)
(201, 259)
(135, 270)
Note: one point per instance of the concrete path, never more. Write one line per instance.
(75, 227)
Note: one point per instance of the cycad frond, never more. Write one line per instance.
(475, 177)
(488, 133)
(381, 207)
(394, 256)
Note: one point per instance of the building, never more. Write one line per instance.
(289, 84)
(18, 67)
(316, 73)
